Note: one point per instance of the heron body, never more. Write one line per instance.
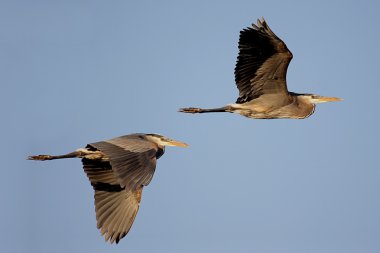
(118, 170)
(260, 76)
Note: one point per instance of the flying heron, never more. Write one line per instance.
(260, 76)
(118, 169)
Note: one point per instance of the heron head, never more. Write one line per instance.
(316, 99)
(164, 141)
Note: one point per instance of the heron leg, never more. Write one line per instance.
(201, 110)
(53, 157)
(79, 153)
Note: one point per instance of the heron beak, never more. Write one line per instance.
(177, 144)
(321, 99)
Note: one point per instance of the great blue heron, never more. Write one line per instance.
(118, 170)
(260, 76)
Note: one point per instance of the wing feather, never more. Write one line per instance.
(261, 64)
(115, 207)
(118, 181)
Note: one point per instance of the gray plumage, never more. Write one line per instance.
(118, 169)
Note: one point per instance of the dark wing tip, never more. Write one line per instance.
(119, 237)
(260, 25)
(115, 238)
(262, 29)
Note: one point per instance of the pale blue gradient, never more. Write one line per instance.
(75, 72)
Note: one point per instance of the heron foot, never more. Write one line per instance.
(190, 110)
(39, 157)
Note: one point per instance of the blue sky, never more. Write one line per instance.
(75, 72)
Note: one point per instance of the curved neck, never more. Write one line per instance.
(304, 106)
(160, 151)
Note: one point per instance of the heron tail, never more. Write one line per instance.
(201, 110)
(53, 157)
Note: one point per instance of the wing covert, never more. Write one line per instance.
(133, 161)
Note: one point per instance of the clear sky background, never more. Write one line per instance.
(76, 72)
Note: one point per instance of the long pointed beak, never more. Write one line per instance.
(177, 144)
(321, 99)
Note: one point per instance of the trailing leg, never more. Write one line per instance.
(201, 110)
(79, 153)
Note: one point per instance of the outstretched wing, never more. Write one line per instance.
(115, 207)
(133, 159)
(261, 64)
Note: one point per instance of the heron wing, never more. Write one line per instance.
(133, 160)
(261, 64)
(115, 207)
